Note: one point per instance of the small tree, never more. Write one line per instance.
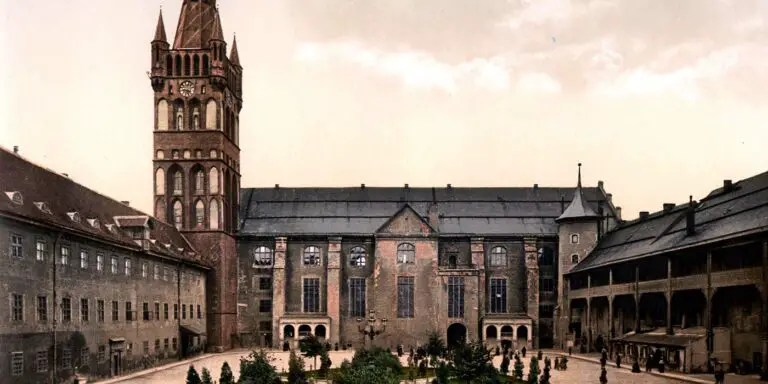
(226, 376)
(504, 368)
(325, 363)
(257, 369)
(443, 372)
(472, 362)
(533, 370)
(192, 376)
(545, 377)
(296, 373)
(435, 347)
(206, 376)
(519, 367)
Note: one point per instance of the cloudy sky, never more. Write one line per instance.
(659, 99)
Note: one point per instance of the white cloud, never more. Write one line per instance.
(536, 82)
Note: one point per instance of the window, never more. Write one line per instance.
(213, 215)
(100, 310)
(452, 260)
(129, 350)
(575, 259)
(64, 255)
(157, 311)
(312, 295)
(546, 256)
(114, 265)
(128, 311)
(115, 311)
(177, 214)
(102, 356)
(183, 311)
(455, 296)
(84, 357)
(66, 358)
(357, 297)
(42, 308)
(357, 257)
(160, 181)
(99, 262)
(213, 179)
(145, 311)
(546, 311)
(84, 310)
(265, 306)
(178, 183)
(175, 311)
(83, 259)
(41, 252)
(547, 285)
(265, 283)
(144, 270)
(17, 307)
(199, 312)
(262, 256)
(165, 344)
(405, 296)
(127, 266)
(157, 345)
(174, 342)
(165, 311)
(311, 255)
(498, 257)
(199, 182)
(42, 361)
(157, 272)
(191, 311)
(17, 363)
(406, 253)
(498, 296)
(145, 345)
(574, 238)
(16, 246)
(166, 274)
(66, 310)
(175, 154)
(199, 214)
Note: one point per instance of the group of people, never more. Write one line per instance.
(561, 364)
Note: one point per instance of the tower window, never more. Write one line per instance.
(178, 65)
(160, 182)
(196, 65)
(168, 66)
(186, 65)
(162, 115)
(214, 214)
(160, 154)
(574, 238)
(214, 154)
(175, 154)
(199, 182)
(205, 67)
(196, 118)
(575, 259)
(178, 183)
(177, 214)
(187, 154)
(213, 180)
(199, 214)
(179, 118)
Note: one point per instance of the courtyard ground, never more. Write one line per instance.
(580, 370)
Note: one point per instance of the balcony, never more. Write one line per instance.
(457, 269)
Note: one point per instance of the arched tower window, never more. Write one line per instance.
(168, 66)
(213, 180)
(406, 253)
(178, 106)
(160, 182)
(498, 257)
(162, 115)
(210, 114)
(177, 72)
(178, 212)
(205, 65)
(213, 216)
(236, 134)
(160, 154)
(199, 182)
(199, 214)
(357, 257)
(178, 183)
(186, 65)
(160, 210)
(196, 65)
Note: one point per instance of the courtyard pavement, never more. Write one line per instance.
(581, 369)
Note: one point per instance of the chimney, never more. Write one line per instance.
(125, 202)
(277, 186)
(618, 213)
(65, 174)
(449, 186)
(16, 149)
(406, 185)
(668, 206)
(609, 197)
(727, 185)
(643, 215)
(535, 187)
(600, 184)
(690, 217)
(362, 186)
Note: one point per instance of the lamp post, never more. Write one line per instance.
(370, 328)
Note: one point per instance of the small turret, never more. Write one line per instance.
(234, 57)
(159, 67)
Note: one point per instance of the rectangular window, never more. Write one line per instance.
(127, 266)
(157, 272)
(265, 306)
(165, 344)
(64, 257)
(191, 312)
(100, 310)
(498, 296)
(157, 345)
(17, 363)
(114, 265)
(312, 295)
(42, 361)
(115, 311)
(405, 296)
(83, 259)
(166, 274)
(66, 310)
(357, 297)
(102, 353)
(42, 308)
(175, 311)
(199, 312)
(129, 350)
(174, 342)
(66, 358)
(17, 249)
(265, 283)
(144, 270)
(41, 252)
(99, 262)
(146, 311)
(17, 307)
(84, 357)
(84, 310)
(183, 311)
(128, 311)
(455, 297)
(547, 285)
(146, 347)
(157, 311)
(165, 311)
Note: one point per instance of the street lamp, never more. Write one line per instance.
(371, 329)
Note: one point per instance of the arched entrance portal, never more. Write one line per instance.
(457, 334)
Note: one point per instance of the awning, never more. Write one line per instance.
(658, 339)
(192, 329)
(117, 340)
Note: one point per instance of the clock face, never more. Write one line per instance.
(187, 88)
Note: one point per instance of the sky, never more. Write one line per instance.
(658, 99)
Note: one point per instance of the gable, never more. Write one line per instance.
(406, 222)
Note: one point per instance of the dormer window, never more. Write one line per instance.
(94, 223)
(574, 238)
(74, 216)
(42, 206)
(15, 197)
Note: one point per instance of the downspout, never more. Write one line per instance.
(53, 265)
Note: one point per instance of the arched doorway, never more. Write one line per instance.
(457, 334)
(304, 330)
(288, 332)
(320, 332)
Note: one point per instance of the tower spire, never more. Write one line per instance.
(160, 29)
(578, 209)
(234, 57)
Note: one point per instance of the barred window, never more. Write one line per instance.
(84, 356)
(183, 311)
(41, 252)
(99, 262)
(357, 297)
(17, 363)
(84, 310)
(42, 308)
(312, 295)
(175, 311)
(42, 361)
(66, 310)
(498, 296)
(406, 253)
(100, 310)
(498, 257)
(17, 307)
(199, 312)
(191, 311)
(357, 257)
(115, 311)
(311, 255)
(84, 259)
(17, 249)
(64, 257)
(455, 296)
(405, 296)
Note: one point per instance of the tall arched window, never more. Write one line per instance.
(178, 65)
(205, 65)
(262, 256)
(199, 182)
(213, 215)
(168, 66)
(498, 257)
(213, 180)
(178, 212)
(199, 214)
(196, 65)
(195, 118)
(210, 115)
(311, 255)
(357, 257)
(160, 210)
(186, 65)
(162, 115)
(406, 253)
(178, 183)
(160, 182)
(179, 118)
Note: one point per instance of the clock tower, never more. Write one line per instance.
(197, 102)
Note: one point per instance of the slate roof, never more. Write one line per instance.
(198, 24)
(721, 215)
(63, 196)
(363, 210)
(578, 209)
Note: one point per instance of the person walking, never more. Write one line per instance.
(719, 375)
(618, 360)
